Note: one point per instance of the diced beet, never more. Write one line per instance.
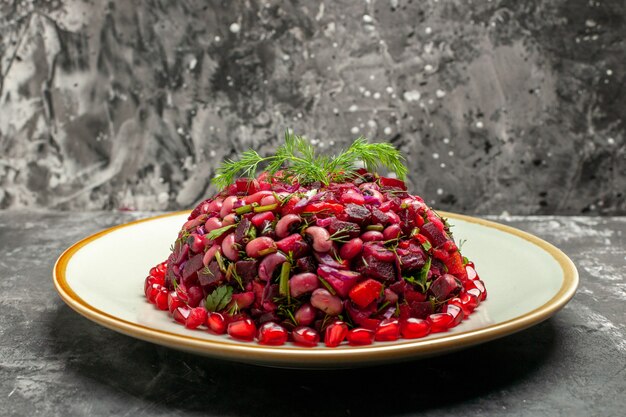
(348, 229)
(410, 261)
(378, 216)
(398, 287)
(241, 231)
(247, 270)
(212, 275)
(445, 286)
(306, 264)
(357, 214)
(372, 267)
(192, 266)
(421, 309)
(436, 236)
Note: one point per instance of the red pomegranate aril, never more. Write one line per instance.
(335, 334)
(305, 336)
(458, 301)
(181, 314)
(160, 300)
(360, 336)
(388, 330)
(363, 293)
(476, 296)
(173, 301)
(456, 312)
(242, 329)
(216, 322)
(196, 317)
(152, 292)
(272, 334)
(440, 322)
(414, 328)
(471, 273)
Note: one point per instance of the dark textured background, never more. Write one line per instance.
(512, 106)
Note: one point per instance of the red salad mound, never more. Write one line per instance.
(351, 262)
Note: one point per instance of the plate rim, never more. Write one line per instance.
(316, 358)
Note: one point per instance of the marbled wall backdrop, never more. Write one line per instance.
(500, 105)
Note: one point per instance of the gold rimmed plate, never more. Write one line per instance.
(101, 277)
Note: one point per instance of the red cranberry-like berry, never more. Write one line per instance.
(388, 330)
(272, 334)
(456, 312)
(161, 298)
(173, 301)
(360, 336)
(305, 336)
(413, 328)
(335, 333)
(242, 329)
(440, 322)
(196, 317)
(216, 322)
(181, 314)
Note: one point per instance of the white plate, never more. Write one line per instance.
(101, 277)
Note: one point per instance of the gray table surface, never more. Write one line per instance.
(54, 362)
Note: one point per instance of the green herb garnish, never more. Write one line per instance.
(297, 160)
(219, 298)
(214, 234)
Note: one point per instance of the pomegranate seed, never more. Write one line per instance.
(272, 334)
(335, 333)
(476, 296)
(181, 314)
(196, 317)
(458, 301)
(413, 328)
(440, 322)
(456, 312)
(360, 336)
(161, 298)
(152, 292)
(242, 329)
(216, 322)
(471, 273)
(388, 330)
(173, 301)
(305, 336)
(478, 284)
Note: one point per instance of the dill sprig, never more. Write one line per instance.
(297, 160)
